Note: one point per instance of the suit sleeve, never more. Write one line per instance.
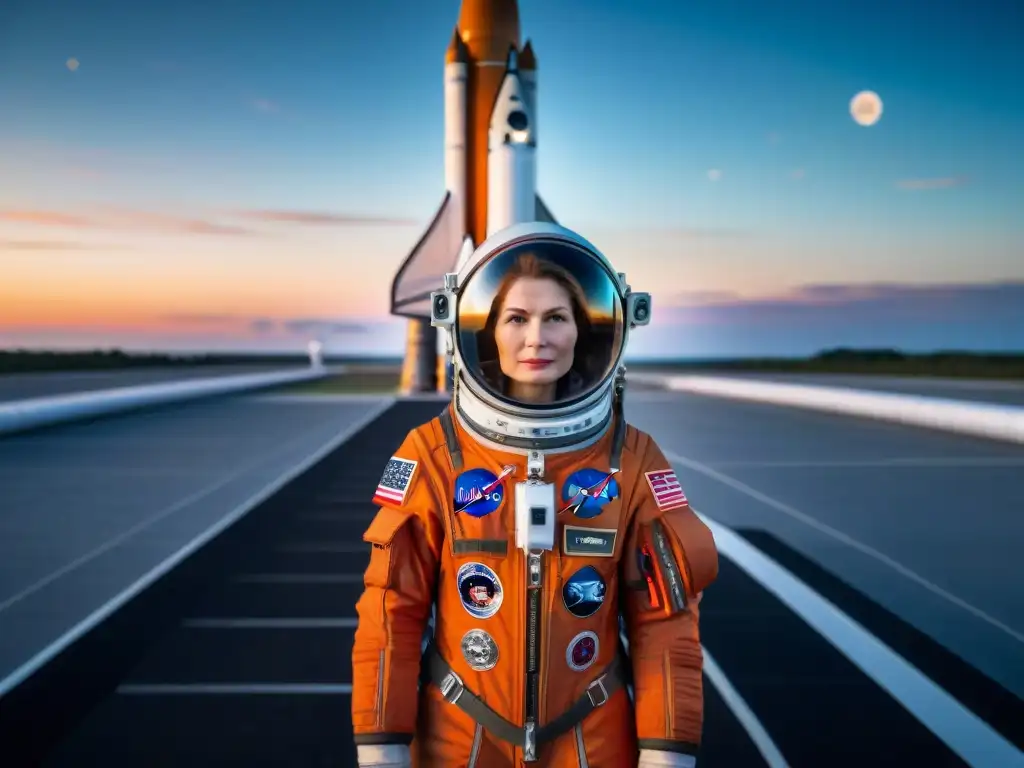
(670, 559)
(406, 537)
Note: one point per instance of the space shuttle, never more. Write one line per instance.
(490, 171)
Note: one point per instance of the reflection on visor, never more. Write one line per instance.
(540, 323)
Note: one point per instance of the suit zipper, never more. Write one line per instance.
(534, 588)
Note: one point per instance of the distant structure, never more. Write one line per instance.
(490, 128)
(315, 348)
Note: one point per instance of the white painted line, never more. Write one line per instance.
(955, 725)
(269, 623)
(851, 380)
(141, 526)
(29, 413)
(738, 706)
(326, 547)
(90, 621)
(235, 689)
(939, 382)
(970, 417)
(838, 535)
(298, 578)
(934, 461)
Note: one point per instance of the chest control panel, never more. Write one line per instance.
(535, 515)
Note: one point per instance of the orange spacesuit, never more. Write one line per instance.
(526, 654)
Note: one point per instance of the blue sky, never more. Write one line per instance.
(214, 174)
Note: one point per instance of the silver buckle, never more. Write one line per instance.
(450, 683)
(599, 685)
(530, 742)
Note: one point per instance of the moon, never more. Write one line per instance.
(71, 64)
(866, 108)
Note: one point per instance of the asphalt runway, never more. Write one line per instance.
(86, 509)
(926, 523)
(20, 386)
(25, 385)
(242, 654)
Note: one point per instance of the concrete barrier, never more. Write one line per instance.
(31, 413)
(988, 420)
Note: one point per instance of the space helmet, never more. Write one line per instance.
(536, 322)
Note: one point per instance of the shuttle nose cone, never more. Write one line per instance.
(489, 28)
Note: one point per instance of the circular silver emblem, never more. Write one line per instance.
(479, 650)
(582, 651)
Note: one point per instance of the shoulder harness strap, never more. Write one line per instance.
(452, 442)
(619, 433)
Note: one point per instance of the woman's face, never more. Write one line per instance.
(536, 332)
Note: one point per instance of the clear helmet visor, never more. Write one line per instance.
(540, 324)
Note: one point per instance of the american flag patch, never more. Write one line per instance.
(395, 481)
(668, 493)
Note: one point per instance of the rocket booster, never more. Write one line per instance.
(511, 161)
(491, 119)
(490, 172)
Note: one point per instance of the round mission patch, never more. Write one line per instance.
(479, 589)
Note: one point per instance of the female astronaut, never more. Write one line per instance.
(549, 540)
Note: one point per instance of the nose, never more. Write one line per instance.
(534, 333)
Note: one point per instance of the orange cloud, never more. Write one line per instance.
(944, 182)
(46, 245)
(322, 218)
(44, 218)
(112, 217)
(120, 218)
(131, 219)
(203, 318)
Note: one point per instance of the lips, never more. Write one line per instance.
(536, 363)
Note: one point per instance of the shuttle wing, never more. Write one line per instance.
(424, 268)
(436, 253)
(542, 213)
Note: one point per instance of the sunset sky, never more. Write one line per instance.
(213, 175)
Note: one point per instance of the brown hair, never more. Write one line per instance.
(530, 266)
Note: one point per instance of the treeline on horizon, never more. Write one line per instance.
(951, 363)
